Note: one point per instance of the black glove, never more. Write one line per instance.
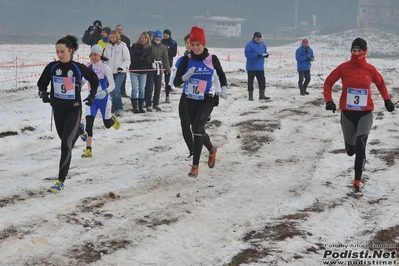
(331, 106)
(259, 55)
(389, 105)
(120, 69)
(89, 100)
(45, 96)
(90, 28)
(215, 100)
(309, 59)
(266, 55)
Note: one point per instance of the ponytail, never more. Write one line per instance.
(70, 41)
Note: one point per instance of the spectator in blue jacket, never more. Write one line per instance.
(256, 52)
(304, 57)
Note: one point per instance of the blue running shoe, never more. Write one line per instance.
(83, 133)
(58, 187)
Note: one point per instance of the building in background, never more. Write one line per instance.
(378, 13)
(218, 26)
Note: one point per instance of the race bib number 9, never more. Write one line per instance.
(356, 99)
(196, 88)
(64, 87)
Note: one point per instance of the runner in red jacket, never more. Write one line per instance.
(356, 103)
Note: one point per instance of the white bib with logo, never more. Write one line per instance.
(356, 99)
(64, 87)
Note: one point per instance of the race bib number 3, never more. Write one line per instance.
(356, 99)
(64, 87)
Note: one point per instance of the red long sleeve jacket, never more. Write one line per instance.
(356, 76)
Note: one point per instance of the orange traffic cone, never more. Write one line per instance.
(228, 57)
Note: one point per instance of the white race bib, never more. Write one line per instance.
(64, 87)
(196, 88)
(356, 99)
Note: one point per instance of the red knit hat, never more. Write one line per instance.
(197, 34)
(305, 41)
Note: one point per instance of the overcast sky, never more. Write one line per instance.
(60, 17)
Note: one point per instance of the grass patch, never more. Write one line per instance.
(386, 239)
(8, 133)
(252, 143)
(258, 125)
(389, 156)
(91, 252)
(249, 255)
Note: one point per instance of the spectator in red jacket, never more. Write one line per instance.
(356, 104)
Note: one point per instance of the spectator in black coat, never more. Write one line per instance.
(119, 28)
(141, 60)
(172, 51)
(93, 34)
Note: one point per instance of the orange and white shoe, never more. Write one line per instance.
(194, 171)
(212, 158)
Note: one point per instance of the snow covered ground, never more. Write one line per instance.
(277, 195)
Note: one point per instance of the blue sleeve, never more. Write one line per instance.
(174, 48)
(178, 61)
(183, 63)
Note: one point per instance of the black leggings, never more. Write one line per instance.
(185, 123)
(67, 125)
(356, 127)
(198, 112)
(90, 122)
